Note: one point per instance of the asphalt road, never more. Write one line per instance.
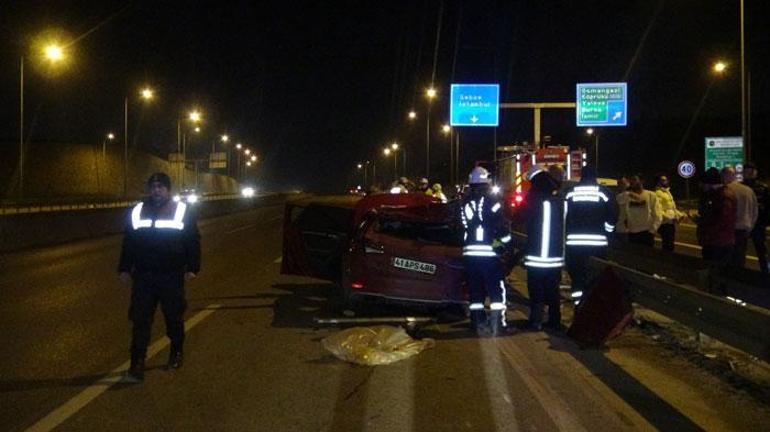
(255, 362)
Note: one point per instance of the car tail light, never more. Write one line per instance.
(356, 285)
(517, 200)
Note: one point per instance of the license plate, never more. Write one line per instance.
(412, 265)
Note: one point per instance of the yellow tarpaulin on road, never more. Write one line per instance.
(376, 345)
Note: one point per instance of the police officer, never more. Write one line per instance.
(481, 216)
(161, 249)
(543, 212)
(591, 215)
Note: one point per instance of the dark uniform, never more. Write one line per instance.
(591, 215)
(544, 259)
(481, 215)
(763, 219)
(161, 244)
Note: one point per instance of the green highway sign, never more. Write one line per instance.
(601, 104)
(724, 151)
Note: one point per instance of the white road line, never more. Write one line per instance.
(240, 229)
(553, 404)
(72, 406)
(503, 410)
(278, 260)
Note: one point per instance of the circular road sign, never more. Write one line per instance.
(686, 169)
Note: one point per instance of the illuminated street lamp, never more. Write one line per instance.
(147, 93)
(430, 93)
(386, 152)
(247, 151)
(197, 129)
(394, 146)
(253, 158)
(412, 115)
(238, 146)
(446, 129)
(54, 53)
(225, 138)
(248, 163)
(194, 116)
(719, 67)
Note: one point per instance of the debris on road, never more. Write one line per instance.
(376, 345)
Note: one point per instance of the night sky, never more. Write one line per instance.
(315, 87)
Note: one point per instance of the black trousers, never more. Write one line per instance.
(667, 234)
(577, 265)
(543, 287)
(643, 238)
(149, 290)
(738, 259)
(758, 238)
(484, 279)
(717, 255)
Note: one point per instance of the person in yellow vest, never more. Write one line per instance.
(667, 212)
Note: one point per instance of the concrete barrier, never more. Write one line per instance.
(23, 231)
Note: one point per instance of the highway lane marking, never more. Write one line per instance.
(556, 408)
(79, 401)
(278, 260)
(240, 229)
(497, 385)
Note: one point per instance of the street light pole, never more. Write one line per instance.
(21, 128)
(125, 146)
(427, 142)
(746, 142)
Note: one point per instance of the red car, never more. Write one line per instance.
(398, 247)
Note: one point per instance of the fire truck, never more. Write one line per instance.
(513, 162)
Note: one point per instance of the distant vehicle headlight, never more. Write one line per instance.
(177, 198)
(495, 189)
(247, 192)
(192, 198)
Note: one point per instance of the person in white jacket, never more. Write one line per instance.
(668, 214)
(641, 212)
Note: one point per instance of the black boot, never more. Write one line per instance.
(175, 359)
(135, 373)
(479, 321)
(497, 324)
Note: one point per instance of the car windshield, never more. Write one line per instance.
(436, 233)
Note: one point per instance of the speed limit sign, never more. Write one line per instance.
(686, 169)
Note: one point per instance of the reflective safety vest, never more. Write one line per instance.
(545, 234)
(481, 219)
(591, 214)
(176, 223)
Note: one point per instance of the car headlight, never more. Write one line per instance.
(177, 198)
(247, 192)
(192, 198)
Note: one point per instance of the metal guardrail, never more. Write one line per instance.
(46, 208)
(736, 324)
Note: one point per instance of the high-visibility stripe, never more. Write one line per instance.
(587, 243)
(176, 223)
(545, 243)
(481, 209)
(480, 233)
(587, 236)
(544, 259)
(609, 227)
(506, 239)
(496, 306)
(496, 207)
(577, 294)
(136, 218)
(479, 253)
(478, 247)
(468, 211)
(542, 265)
(476, 306)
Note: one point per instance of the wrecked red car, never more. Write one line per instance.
(404, 248)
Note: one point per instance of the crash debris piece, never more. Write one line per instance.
(377, 345)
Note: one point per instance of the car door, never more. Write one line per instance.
(314, 239)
